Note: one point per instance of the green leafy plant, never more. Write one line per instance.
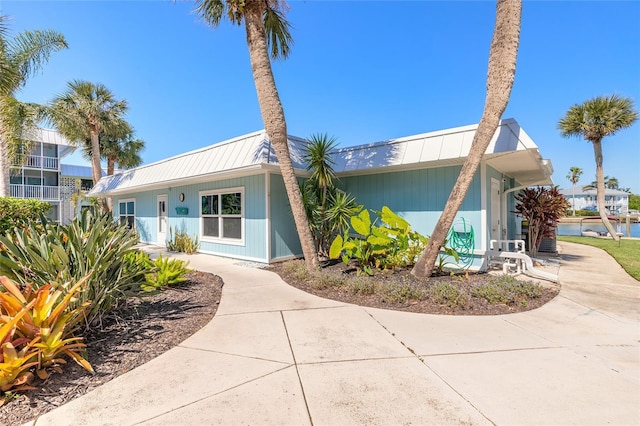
(16, 212)
(91, 246)
(167, 272)
(402, 292)
(182, 242)
(391, 245)
(448, 294)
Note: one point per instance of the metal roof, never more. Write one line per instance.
(511, 151)
(239, 155)
(72, 170)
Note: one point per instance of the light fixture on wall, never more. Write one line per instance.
(181, 197)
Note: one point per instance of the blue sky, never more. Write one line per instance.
(362, 71)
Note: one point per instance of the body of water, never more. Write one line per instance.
(574, 228)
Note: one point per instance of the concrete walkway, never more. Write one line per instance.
(275, 355)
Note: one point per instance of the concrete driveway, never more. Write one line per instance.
(276, 355)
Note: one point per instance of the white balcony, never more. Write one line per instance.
(39, 192)
(42, 162)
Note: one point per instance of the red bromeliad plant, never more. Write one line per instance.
(541, 207)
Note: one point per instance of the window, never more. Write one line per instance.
(127, 209)
(221, 215)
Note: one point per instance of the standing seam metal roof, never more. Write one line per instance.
(254, 151)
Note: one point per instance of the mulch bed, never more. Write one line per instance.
(132, 336)
(476, 306)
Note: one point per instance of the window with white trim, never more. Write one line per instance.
(127, 213)
(222, 215)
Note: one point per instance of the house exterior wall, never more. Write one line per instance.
(284, 236)
(419, 196)
(254, 244)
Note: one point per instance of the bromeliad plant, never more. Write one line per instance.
(391, 245)
(166, 272)
(36, 329)
(91, 246)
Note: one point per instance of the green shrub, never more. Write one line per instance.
(91, 246)
(298, 269)
(361, 285)
(448, 294)
(182, 242)
(506, 289)
(167, 272)
(137, 263)
(402, 292)
(16, 212)
(323, 280)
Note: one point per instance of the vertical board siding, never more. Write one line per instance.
(254, 215)
(417, 195)
(284, 236)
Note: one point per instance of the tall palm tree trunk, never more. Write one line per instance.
(500, 77)
(95, 162)
(275, 124)
(4, 169)
(597, 151)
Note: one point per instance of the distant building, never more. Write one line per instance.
(616, 201)
(43, 177)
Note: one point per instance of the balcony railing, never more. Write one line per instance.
(40, 192)
(41, 162)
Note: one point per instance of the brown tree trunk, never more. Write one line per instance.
(500, 77)
(597, 151)
(95, 162)
(4, 169)
(275, 124)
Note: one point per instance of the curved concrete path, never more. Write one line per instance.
(275, 355)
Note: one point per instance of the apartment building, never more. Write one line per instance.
(44, 177)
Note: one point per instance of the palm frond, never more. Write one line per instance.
(18, 126)
(212, 11)
(29, 50)
(278, 30)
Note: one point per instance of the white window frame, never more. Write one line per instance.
(222, 240)
(125, 201)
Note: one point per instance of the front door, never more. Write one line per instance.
(495, 210)
(163, 200)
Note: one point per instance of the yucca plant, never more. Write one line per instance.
(91, 246)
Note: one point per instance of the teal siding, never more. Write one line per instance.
(255, 242)
(284, 236)
(419, 196)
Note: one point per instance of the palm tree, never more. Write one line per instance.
(83, 112)
(593, 120)
(267, 32)
(500, 77)
(118, 146)
(574, 177)
(20, 58)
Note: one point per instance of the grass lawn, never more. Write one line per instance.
(627, 254)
